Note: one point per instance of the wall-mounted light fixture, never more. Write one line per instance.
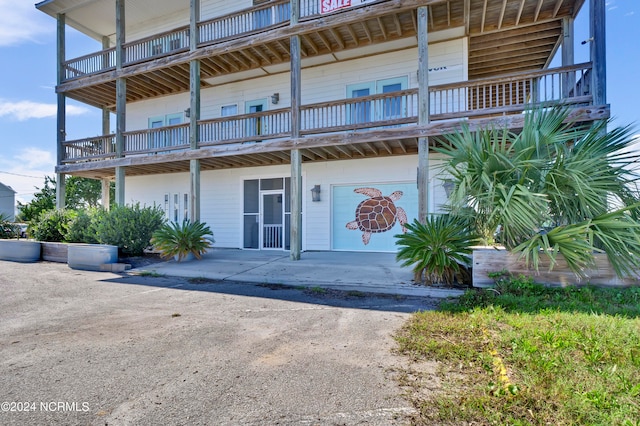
(448, 187)
(275, 98)
(315, 193)
(187, 112)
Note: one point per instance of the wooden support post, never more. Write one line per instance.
(61, 190)
(106, 114)
(121, 100)
(598, 51)
(296, 157)
(61, 124)
(568, 47)
(194, 179)
(194, 112)
(106, 194)
(423, 113)
(120, 200)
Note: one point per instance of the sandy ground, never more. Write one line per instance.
(106, 349)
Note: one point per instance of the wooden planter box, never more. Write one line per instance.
(20, 250)
(55, 252)
(486, 261)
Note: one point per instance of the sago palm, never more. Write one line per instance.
(438, 249)
(181, 239)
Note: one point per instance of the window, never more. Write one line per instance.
(360, 112)
(156, 49)
(166, 206)
(176, 207)
(369, 111)
(175, 44)
(228, 129)
(163, 138)
(185, 207)
(256, 125)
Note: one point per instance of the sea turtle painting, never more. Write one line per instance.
(377, 213)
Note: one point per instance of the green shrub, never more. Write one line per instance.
(440, 248)
(7, 229)
(128, 227)
(52, 225)
(174, 239)
(82, 228)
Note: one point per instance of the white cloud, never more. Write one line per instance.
(25, 110)
(21, 22)
(33, 158)
(26, 170)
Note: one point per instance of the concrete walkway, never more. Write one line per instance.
(349, 271)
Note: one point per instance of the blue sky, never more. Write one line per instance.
(28, 75)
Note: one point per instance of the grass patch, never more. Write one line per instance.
(202, 280)
(525, 354)
(152, 274)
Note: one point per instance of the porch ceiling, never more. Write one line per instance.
(354, 151)
(504, 36)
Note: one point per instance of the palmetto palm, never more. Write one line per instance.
(555, 187)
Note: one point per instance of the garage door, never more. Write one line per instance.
(381, 207)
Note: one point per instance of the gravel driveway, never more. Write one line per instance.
(100, 348)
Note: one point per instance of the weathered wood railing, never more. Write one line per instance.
(97, 148)
(388, 109)
(238, 24)
(93, 63)
(245, 22)
(509, 94)
(158, 140)
(253, 127)
(157, 45)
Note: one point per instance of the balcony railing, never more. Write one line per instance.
(245, 22)
(253, 127)
(509, 94)
(163, 139)
(235, 25)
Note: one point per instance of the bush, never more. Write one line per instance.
(52, 225)
(82, 228)
(440, 248)
(7, 229)
(174, 239)
(128, 227)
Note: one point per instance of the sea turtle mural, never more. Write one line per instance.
(377, 213)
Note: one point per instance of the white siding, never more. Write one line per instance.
(159, 25)
(447, 61)
(214, 8)
(138, 113)
(221, 193)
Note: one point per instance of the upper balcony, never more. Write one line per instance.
(369, 126)
(504, 36)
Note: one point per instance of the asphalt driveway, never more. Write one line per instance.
(100, 348)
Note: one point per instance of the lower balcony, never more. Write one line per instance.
(379, 125)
